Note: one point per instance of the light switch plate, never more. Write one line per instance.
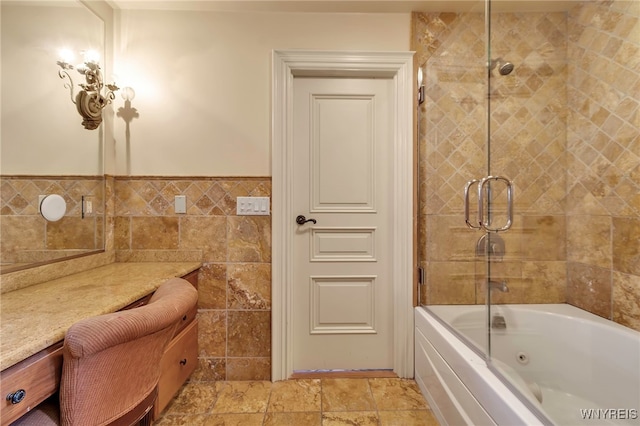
(252, 206)
(180, 204)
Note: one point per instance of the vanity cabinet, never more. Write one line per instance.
(30, 382)
(34, 379)
(181, 357)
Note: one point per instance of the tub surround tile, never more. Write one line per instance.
(296, 395)
(545, 282)
(451, 283)
(626, 245)
(589, 240)
(626, 300)
(545, 238)
(346, 395)
(589, 288)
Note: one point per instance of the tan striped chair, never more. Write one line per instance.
(111, 363)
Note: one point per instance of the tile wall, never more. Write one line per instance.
(603, 160)
(26, 237)
(235, 280)
(564, 129)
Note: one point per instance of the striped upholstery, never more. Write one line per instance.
(112, 362)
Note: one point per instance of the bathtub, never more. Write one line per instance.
(570, 367)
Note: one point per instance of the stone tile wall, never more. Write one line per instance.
(234, 283)
(26, 237)
(603, 160)
(527, 146)
(564, 128)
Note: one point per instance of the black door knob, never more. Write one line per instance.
(301, 220)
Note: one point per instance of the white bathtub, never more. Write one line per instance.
(578, 364)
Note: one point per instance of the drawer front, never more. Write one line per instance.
(38, 376)
(178, 362)
(186, 320)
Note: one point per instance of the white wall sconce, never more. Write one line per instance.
(89, 101)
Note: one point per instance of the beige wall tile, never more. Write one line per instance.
(544, 238)
(249, 334)
(159, 232)
(249, 368)
(545, 282)
(212, 286)
(589, 288)
(212, 333)
(249, 238)
(626, 300)
(451, 283)
(210, 370)
(207, 234)
(249, 286)
(589, 240)
(71, 233)
(626, 245)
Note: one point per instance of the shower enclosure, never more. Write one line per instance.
(529, 160)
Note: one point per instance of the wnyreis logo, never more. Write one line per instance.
(609, 413)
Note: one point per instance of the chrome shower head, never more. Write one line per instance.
(504, 67)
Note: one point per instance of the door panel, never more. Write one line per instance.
(342, 290)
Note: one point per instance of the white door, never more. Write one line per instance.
(342, 264)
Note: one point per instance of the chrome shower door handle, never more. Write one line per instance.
(485, 224)
(467, 187)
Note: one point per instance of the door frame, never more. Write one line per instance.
(286, 64)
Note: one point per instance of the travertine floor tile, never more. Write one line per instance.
(350, 418)
(347, 395)
(407, 418)
(180, 420)
(295, 395)
(302, 402)
(397, 394)
(193, 398)
(242, 397)
(282, 419)
(244, 419)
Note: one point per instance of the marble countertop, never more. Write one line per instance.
(38, 316)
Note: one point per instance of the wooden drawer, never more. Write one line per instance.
(178, 362)
(186, 320)
(38, 376)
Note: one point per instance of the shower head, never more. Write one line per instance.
(504, 67)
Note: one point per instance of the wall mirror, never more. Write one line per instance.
(44, 148)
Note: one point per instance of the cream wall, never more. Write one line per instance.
(203, 83)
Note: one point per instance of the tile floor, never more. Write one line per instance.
(303, 402)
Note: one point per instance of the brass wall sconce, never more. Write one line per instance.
(89, 101)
